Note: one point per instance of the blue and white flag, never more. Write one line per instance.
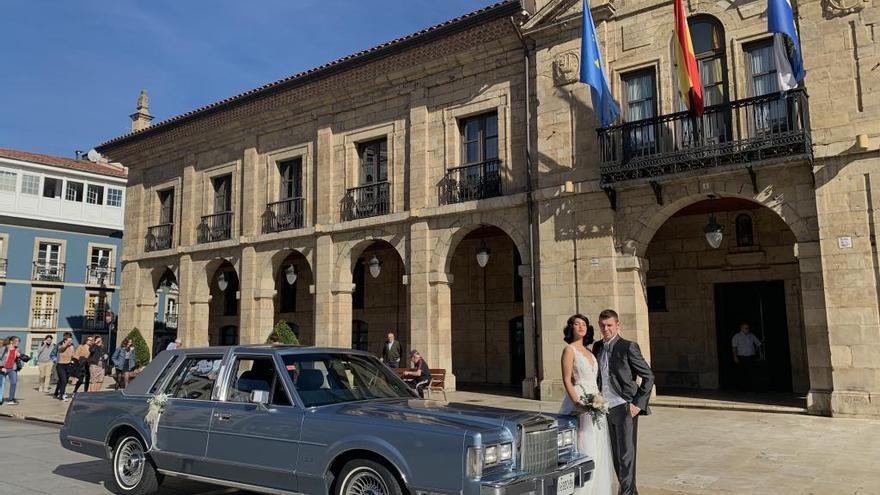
(593, 72)
(786, 44)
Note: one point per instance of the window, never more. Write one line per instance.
(74, 191)
(222, 193)
(94, 194)
(707, 35)
(166, 206)
(49, 254)
(249, 374)
(763, 80)
(479, 138)
(374, 161)
(114, 197)
(657, 299)
(744, 234)
(164, 374)
(640, 103)
(96, 306)
(44, 309)
(7, 181)
(291, 178)
(100, 266)
(30, 184)
(195, 379)
(51, 188)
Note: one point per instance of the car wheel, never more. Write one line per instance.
(133, 471)
(365, 477)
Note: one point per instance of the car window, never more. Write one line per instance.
(163, 375)
(322, 379)
(195, 379)
(258, 373)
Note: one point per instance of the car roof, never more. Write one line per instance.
(269, 348)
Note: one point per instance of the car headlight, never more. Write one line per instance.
(474, 466)
(505, 452)
(565, 439)
(491, 455)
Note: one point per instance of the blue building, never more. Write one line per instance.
(61, 224)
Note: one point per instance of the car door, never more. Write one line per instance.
(252, 443)
(182, 432)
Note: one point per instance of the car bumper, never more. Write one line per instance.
(539, 484)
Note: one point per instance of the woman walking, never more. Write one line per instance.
(124, 362)
(82, 364)
(10, 363)
(64, 366)
(97, 362)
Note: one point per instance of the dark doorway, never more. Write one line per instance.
(517, 340)
(360, 330)
(762, 306)
(229, 335)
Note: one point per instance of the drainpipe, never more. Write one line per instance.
(536, 308)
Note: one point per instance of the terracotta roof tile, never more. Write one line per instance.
(57, 161)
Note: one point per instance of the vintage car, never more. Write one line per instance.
(287, 419)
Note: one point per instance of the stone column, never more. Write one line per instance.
(194, 302)
(632, 303)
(257, 305)
(439, 335)
(530, 382)
(253, 189)
(332, 298)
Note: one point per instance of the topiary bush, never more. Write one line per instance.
(284, 333)
(141, 350)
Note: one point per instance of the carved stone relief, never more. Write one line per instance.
(837, 8)
(566, 68)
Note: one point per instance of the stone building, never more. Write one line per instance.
(451, 186)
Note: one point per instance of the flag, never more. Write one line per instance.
(689, 85)
(593, 72)
(786, 44)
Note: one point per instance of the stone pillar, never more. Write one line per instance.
(194, 302)
(439, 335)
(332, 298)
(253, 190)
(530, 382)
(819, 356)
(191, 197)
(632, 303)
(136, 303)
(257, 305)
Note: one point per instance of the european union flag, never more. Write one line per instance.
(790, 64)
(592, 72)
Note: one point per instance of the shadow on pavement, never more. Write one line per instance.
(97, 471)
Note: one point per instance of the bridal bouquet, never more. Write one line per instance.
(157, 406)
(594, 405)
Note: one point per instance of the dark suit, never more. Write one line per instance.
(391, 354)
(625, 363)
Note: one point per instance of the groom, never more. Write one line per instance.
(620, 362)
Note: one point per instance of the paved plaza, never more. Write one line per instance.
(682, 450)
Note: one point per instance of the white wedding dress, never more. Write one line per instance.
(592, 440)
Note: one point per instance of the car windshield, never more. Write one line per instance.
(322, 379)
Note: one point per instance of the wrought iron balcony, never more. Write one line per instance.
(159, 237)
(470, 182)
(3, 264)
(282, 215)
(367, 201)
(743, 133)
(48, 272)
(216, 227)
(44, 318)
(100, 275)
(95, 322)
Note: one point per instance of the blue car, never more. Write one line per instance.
(285, 419)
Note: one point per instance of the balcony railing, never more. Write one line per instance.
(159, 237)
(216, 227)
(283, 215)
(470, 182)
(100, 275)
(367, 201)
(95, 323)
(44, 318)
(48, 272)
(3, 263)
(745, 132)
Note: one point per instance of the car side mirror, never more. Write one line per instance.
(260, 397)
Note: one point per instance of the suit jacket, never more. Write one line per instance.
(392, 354)
(624, 365)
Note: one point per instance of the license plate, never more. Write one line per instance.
(565, 484)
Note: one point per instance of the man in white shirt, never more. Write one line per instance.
(173, 345)
(745, 352)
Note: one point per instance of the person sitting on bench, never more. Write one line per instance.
(420, 377)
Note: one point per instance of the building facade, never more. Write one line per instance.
(60, 246)
(452, 187)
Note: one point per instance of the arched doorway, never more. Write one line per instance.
(488, 340)
(379, 299)
(166, 311)
(699, 296)
(293, 299)
(223, 311)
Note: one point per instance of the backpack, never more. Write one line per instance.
(54, 354)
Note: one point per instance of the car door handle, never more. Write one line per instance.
(222, 416)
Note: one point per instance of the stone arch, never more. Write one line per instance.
(272, 263)
(452, 236)
(213, 265)
(348, 251)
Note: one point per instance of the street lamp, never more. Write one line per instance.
(222, 283)
(483, 254)
(375, 266)
(290, 274)
(714, 232)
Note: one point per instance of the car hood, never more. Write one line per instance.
(438, 414)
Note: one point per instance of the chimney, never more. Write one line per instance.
(141, 118)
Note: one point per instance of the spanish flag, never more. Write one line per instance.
(689, 85)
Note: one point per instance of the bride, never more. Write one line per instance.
(579, 374)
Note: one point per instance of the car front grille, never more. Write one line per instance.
(539, 452)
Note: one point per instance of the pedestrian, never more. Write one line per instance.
(63, 367)
(97, 362)
(82, 364)
(420, 377)
(124, 362)
(11, 361)
(173, 345)
(392, 351)
(745, 354)
(45, 352)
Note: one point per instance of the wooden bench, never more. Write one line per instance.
(438, 379)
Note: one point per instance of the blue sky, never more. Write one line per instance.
(73, 68)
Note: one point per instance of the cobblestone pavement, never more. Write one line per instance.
(681, 451)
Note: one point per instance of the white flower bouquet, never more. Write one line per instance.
(594, 405)
(156, 405)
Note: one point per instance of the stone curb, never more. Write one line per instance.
(36, 419)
